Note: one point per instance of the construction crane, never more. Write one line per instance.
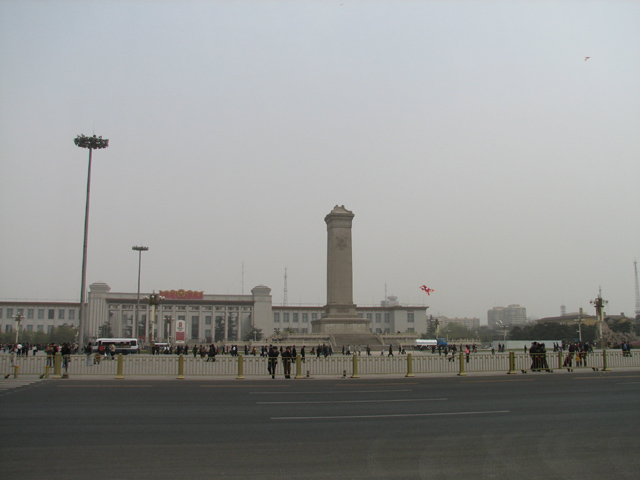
(635, 266)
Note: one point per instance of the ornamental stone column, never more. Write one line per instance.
(340, 314)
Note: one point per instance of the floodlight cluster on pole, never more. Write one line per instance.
(18, 318)
(168, 319)
(153, 301)
(599, 303)
(92, 143)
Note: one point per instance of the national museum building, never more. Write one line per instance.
(207, 317)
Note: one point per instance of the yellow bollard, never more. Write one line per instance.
(512, 363)
(298, 366)
(119, 375)
(57, 365)
(240, 367)
(181, 367)
(15, 371)
(46, 371)
(605, 366)
(355, 367)
(462, 373)
(409, 366)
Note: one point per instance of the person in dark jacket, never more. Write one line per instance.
(273, 360)
(286, 362)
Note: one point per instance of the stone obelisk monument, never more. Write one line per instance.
(340, 314)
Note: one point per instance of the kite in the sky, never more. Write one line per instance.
(586, 58)
(427, 290)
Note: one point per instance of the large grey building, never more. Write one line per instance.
(511, 315)
(206, 317)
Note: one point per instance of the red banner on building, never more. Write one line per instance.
(182, 294)
(181, 331)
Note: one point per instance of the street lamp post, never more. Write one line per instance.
(139, 249)
(92, 143)
(504, 327)
(153, 300)
(18, 318)
(579, 322)
(599, 303)
(168, 320)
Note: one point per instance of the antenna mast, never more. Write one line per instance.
(285, 301)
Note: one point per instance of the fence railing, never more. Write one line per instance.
(337, 365)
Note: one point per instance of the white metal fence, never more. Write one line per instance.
(336, 365)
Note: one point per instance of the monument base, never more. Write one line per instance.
(340, 325)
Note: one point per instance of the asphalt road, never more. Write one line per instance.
(538, 426)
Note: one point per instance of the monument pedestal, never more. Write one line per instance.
(340, 319)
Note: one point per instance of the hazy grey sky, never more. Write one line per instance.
(481, 154)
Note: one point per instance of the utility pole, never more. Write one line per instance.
(635, 266)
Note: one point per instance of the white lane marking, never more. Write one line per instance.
(393, 415)
(329, 392)
(324, 402)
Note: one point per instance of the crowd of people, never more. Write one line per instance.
(26, 349)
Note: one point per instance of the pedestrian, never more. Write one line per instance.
(286, 362)
(273, 360)
(211, 353)
(66, 357)
(88, 349)
(390, 350)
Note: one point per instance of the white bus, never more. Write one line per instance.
(123, 345)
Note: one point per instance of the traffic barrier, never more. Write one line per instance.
(354, 370)
(409, 365)
(461, 372)
(240, 367)
(355, 366)
(299, 367)
(119, 375)
(181, 367)
(57, 365)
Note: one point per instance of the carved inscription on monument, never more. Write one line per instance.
(342, 243)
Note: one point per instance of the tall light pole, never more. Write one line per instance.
(153, 300)
(92, 143)
(18, 318)
(504, 327)
(139, 249)
(168, 320)
(599, 303)
(579, 322)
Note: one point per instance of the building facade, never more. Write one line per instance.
(511, 315)
(206, 318)
(389, 317)
(38, 316)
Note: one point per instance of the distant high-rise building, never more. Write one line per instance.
(512, 315)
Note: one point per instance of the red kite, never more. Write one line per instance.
(427, 290)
